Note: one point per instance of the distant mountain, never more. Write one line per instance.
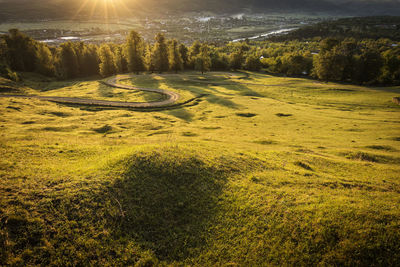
(346, 7)
(49, 9)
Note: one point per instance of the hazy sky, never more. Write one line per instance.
(348, 7)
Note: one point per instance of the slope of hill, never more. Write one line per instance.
(264, 171)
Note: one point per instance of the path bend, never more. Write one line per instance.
(171, 97)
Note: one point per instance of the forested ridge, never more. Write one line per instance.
(359, 61)
(358, 27)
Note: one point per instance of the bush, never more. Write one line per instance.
(252, 63)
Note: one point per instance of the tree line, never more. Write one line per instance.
(20, 53)
(348, 60)
(357, 27)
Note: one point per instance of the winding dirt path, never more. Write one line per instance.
(171, 97)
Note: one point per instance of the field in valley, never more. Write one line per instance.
(259, 170)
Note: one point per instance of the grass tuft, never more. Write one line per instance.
(283, 115)
(303, 165)
(60, 114)
(189, 134)
(362, 156)
(104, 129)
(246, 115)
(379, 147)
(14, 108)
(265, 142)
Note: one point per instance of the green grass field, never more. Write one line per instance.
(262, 171)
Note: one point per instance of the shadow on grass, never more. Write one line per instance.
(46, 84)
(153, 82)
(168, 200)
(105, 91)
(181, 113)
(205, 87)
(212, 95)
(149, 82)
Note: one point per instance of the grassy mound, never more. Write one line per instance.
(169, 204)
(157, 205)
(169, 198)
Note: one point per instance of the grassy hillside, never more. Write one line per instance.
(262, 171)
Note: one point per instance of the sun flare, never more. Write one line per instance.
(104, 8)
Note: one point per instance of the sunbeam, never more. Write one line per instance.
(93, 9)
(84, 4)
(106, 8)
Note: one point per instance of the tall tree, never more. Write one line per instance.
(79, 48)
(219, 61)
(68, 67)
(236, 59)
(175, 58)
(44, 60)
(149, 58)
(90, 65)
(330, 65)
(252, 62)
(3, 55)
(203, 59)
(391, 69)
(194, 50)
(349, 48)
(119, 59)
(107, 64)
(5, 69)
(185, 55)
(371, 65)
(134, 50)
(295, 63)
(160, 53)
(328, 44)
(21, 53)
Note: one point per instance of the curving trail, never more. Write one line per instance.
(171, 97)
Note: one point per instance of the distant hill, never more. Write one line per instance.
(358, 27)
(49, 9)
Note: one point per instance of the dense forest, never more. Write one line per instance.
(358, 27)
(359, 61)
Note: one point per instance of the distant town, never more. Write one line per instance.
(213, 29)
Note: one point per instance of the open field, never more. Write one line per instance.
(261, 171)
